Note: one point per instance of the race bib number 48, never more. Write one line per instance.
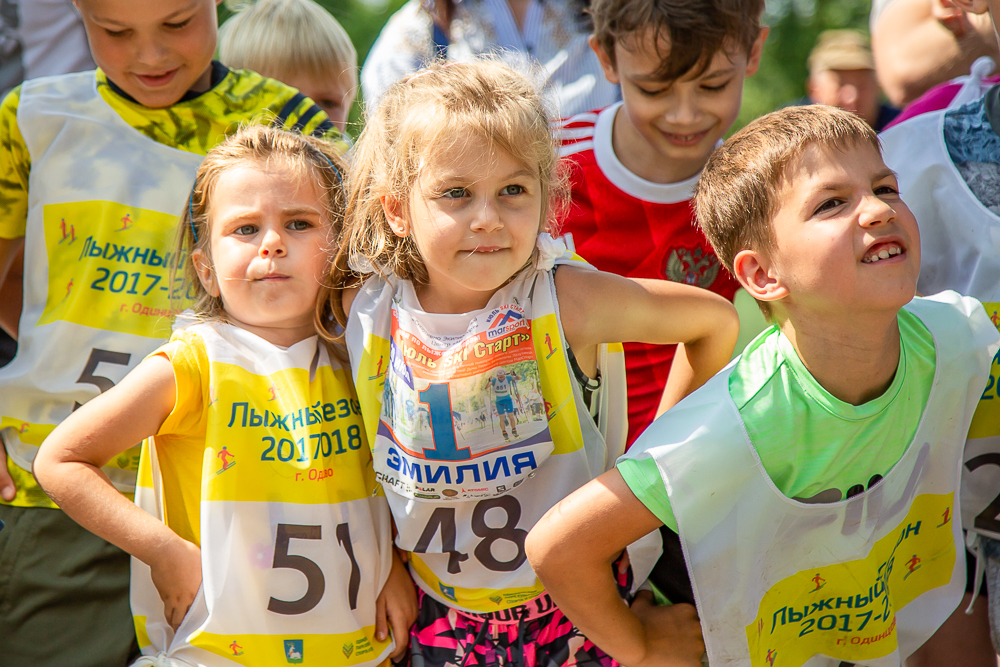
(109, 268)
(848, 610)
(462, 417)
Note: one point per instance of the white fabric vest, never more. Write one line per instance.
(866, 580)
(103, 204)
(463, 498)
(295, 543)
(960, 250)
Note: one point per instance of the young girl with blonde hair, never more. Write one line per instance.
(264, 539)
(453, 187)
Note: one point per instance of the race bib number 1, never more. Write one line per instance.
(461, 417)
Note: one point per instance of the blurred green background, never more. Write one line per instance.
(794, 27)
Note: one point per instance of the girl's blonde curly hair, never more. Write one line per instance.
(419, 118)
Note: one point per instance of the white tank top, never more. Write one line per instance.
(97, 284)
(960, 250)
(463, 497)
(295, 533)
(866, 580)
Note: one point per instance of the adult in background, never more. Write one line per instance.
(842, 74)
(551, 33)
(920, 43)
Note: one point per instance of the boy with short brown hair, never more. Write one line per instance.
(633, 166)
(813, 483)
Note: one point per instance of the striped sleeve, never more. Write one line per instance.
(576, 133)
(15, 165)
(301, 114)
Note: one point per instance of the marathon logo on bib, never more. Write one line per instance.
(847, 611)
(110, 268)
(462, 417)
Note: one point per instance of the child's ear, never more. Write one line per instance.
(394, 214)
(610, 71)
(753, 58)
(972, 6)
(755, 274)
(205, 273)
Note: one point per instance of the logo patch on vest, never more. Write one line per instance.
(692, 267)
(293, 650)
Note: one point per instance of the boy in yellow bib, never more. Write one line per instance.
(814, 483)
(94, 170)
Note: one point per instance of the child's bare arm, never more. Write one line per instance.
(598, 307)
(572, 549)
(396, 606)
(68, 466)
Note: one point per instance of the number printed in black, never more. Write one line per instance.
(987, 519)
(316, 582)
(508, 532)
(443, 518)
(354, 583)
(97, 357)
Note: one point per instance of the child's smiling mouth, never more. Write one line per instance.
(157, 80)
(882, 251)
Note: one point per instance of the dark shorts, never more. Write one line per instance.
(505, 405)
(63, 594)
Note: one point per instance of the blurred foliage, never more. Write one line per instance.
(795, 25)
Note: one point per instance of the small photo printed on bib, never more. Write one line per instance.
(462, 417)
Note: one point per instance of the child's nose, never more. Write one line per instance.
(874, 211)
(487, 217)
(272, 245)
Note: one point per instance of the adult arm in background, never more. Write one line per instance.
(918, 44)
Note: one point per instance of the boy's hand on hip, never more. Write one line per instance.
(672, 634)
(177, 576)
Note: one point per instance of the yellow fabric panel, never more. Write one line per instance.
(341, 650)
(180, 442)
(15, 163)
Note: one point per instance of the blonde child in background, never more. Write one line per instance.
(455, 183)
(255, 444)
(297, 42)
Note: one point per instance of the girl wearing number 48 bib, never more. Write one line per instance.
(261, 537)
(488, 359)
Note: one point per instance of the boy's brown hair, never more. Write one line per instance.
(737, 194)
(690, 32)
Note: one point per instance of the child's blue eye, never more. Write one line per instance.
(299, 225)
(246, 230)
(513, 190)
(455, 193)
